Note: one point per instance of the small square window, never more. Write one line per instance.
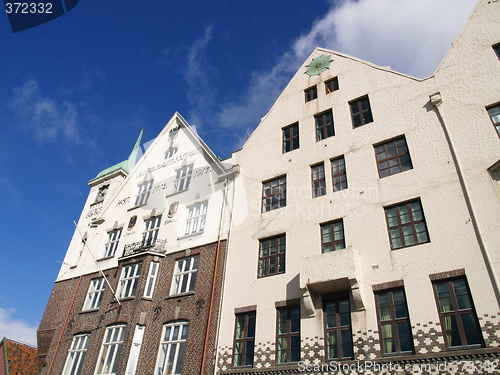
(290, 138)
(332, 85)
(406, 224)
(274, 194)
(129, 280)
(318, 180)
(185, 273)
(324, 125)
(143, 193)
(197, 215)
(183, 178)
(494, 113)
(311, 93)
(95, 293)
(102, 193)
(272, 256)
(332, 236)
(339, 175)
(112, 243)
(361, 112)
(393, 157)
(496, 48)
(288, 337)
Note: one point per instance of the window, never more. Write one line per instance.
(135, 350)
(150, 283)
(272, 256)
(183, 178)
(332, 85)
(311, 93)
(361, 112)
(195, 222)
(111, 349)
(102, 193)
(406, 224)
(324, 125)
(170, 152)
(338, 333)
(288, 337)
(185, 275)
(394, 323)
(332, 236)
(339, 175)
(496, 48)
(494, 113)
(172, 348)
(144, 192)
(291, 138)
(392, 157)
(76, 354)
(95, 293)
(112, 244)
(274, 194)
(457, 314)
(318, 180)
(151, 230)
(244, 339)
(129, 280)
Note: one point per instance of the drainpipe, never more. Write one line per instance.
(436, 101)
(214, 280)
(64, 326)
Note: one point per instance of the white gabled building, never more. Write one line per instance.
(366, 216)
(140, 287)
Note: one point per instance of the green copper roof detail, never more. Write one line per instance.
(318, 65)
(128, 164)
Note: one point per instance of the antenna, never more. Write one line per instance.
(102, 273)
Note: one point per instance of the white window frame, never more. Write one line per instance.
(109, 355)
(151, 281)
(150, 234)
(185, 272)
(183, 178)
(112, 244)
(94, 294)
(143, 193)
(135, 350)
(129, 280)
(172, 347)
(197, 214)
(76, 354)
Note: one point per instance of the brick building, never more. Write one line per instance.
(372, 235)
(140, 287)
(17, 358)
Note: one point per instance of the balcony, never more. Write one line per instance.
(331, 272)
(156, 246)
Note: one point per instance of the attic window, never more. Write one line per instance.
(332, 85)
(102, 193)
(496, 48)
(311, 93)
(170, 152)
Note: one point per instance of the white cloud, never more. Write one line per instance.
(46, 119)
(15, 329)
(411, 36)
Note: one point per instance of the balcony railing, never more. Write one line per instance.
(151, 246)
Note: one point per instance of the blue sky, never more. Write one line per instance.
(75, 92)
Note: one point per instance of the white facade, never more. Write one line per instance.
(452, 177)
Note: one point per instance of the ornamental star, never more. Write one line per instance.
(318, 65)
